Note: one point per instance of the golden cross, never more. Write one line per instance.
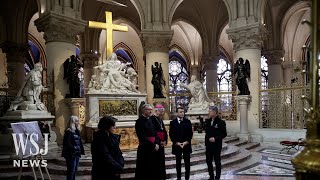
(109, 27)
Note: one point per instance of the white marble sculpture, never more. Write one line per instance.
(28, 97)
(199, 99)
(111, 77)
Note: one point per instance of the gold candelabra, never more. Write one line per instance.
(307, 162)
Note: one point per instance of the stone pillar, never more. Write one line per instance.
(243, 101)
(195, 70)
(15, 54)
(247, 42)
(156, 48)
(60, 35)
(287, 72)
(211, 74)
(90, 60)
(275, 71)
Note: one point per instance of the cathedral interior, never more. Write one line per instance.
(270, 128)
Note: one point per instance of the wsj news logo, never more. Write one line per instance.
(28, 145)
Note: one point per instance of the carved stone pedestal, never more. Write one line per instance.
(6, 140)
(243, 101)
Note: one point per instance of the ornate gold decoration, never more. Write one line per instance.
(109, 27)
(282, 108)
(82, 113)
(118, 108)
(307, 162)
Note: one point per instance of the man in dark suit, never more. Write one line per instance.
(215, 132)
(181, 134)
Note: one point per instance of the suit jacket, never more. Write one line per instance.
(181, 132)
(215, 128)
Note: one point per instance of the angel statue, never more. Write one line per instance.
(242, 72)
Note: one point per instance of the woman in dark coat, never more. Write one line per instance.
(107, 159)
(72, 147)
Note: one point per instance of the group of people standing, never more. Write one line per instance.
(152, 137)
(107, 158)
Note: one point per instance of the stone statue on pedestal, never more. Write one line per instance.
(157, 80)
(199, 97)
(28, 97)
(71, 73)
(242, 72)
(112, 77)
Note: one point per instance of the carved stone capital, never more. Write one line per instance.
(274, 56)
(243, 99)
(90, 59)
(15, 52)
(248, 37)
(156, 41)
(59, 28)
(74, 102)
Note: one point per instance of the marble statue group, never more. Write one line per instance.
(114, 77)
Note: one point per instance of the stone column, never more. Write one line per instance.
(90, 60)
(247, 42)
(195, 70)
(156, 48)
(15, 54)
(243, 101)
(211, 74)
(60, 35)
(275, 71)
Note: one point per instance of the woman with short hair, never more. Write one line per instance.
(107, 159)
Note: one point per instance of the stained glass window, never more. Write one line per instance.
(264, 73)
(224, 84)
(177, 74)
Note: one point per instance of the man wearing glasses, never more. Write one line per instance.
(146, 164)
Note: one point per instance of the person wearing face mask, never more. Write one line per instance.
(149, 143)
(181, 135)
(107, 159)
(215, 132)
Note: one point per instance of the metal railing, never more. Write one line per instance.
(282, 108)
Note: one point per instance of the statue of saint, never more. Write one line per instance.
(28, 97)
(157, 80)
(199, 96)
(71, 73)
(242, 72)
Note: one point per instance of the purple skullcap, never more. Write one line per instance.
(159, 107)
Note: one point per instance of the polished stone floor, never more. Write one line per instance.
(266, 163)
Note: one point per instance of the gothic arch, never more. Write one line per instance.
(129, 51)
(187, 37)
(293, 33)
(140, 11)
(184, 54)
(252, 6)
(173, 9)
